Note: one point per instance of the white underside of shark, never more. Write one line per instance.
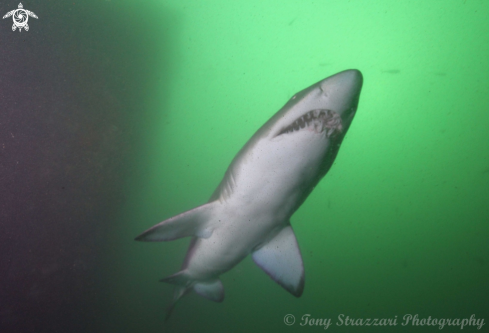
(268, 180)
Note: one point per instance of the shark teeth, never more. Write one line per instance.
(320, 120)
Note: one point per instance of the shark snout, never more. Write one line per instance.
(336, 95)
(343, 91)
(350, 79)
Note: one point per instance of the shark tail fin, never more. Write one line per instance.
(211, 289)
(179, 292)
(183, 286)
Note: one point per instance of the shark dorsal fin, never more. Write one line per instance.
(281, 259)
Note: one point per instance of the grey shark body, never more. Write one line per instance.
(267, 181)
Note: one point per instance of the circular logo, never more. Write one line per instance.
(289, 320)
(20, 17)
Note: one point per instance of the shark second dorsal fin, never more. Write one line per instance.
(195, 222)
(281, 259)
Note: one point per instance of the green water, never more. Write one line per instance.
(400, 223)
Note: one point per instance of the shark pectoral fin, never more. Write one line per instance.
(194, 222)
(212, 290)
(281, 259)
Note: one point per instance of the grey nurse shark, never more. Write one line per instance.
(267, 181)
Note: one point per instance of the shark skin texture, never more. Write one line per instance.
(267, 181)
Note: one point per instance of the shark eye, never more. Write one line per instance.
(324, 92)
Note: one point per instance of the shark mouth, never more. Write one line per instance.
(321, 120)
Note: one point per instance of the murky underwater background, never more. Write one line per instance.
(115, 115)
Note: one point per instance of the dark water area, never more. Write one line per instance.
(70, 125)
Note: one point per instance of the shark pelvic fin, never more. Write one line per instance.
(212, 290)
(281, 259)
(194, 222)
(179, 279)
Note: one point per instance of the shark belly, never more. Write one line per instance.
(263, 197)
(210, 257)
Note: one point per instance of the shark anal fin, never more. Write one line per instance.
(281, 259)
(194, 222)
(212, 290)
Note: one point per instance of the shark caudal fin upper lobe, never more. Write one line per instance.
(211, 289)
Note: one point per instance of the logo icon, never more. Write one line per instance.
(20, 17)
(289, 320)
